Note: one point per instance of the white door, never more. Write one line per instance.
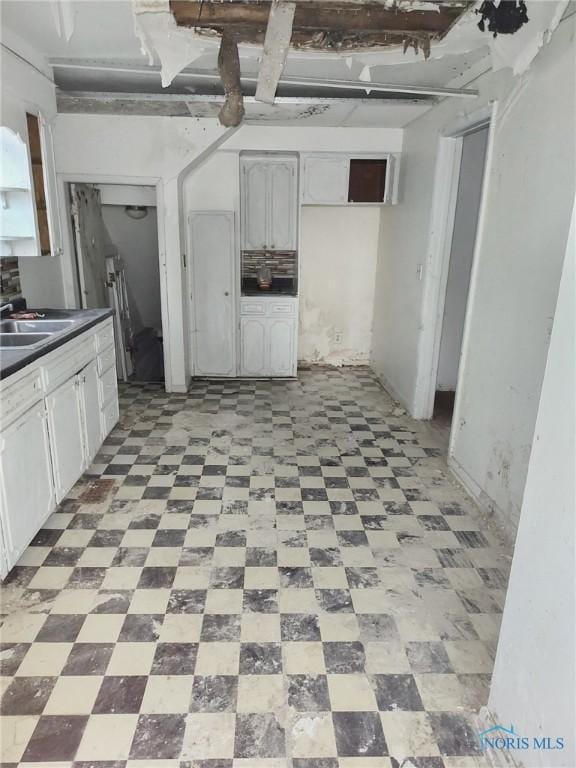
(325, 179)
(92, 245)
(254, 204)
(26, 485)
(281, 347)
(213, 293)
(254, 346)
(90, 410)
(282, 205)
(66, 433)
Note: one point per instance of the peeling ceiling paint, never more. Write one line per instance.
(161, 39)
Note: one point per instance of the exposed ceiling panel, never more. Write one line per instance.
(285, 111)
(326, 24)
(97, 75)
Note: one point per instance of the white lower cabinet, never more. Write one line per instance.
(66, 438)
(281, 346)
(253, 332)
(91, 410)
(63, 406)
(268, 329)
(26, 487)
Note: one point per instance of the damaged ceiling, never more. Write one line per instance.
(326, 24)
(341, 62)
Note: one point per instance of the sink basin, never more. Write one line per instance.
(22, 340)
(34, 326)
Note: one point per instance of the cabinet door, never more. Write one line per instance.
(281, 347)
(254, 205)
(26, 486)
(90, 410)
(325, 179)
(66, 435)
(282, 205)
(253, 343)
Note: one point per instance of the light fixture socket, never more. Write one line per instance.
(136, 211)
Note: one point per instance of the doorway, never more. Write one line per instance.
(117, 265)
(467, 208)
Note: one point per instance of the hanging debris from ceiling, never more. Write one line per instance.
(503, 18)
(232, 112)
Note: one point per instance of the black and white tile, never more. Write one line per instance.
(255, 575)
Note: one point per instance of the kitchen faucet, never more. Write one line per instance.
(10, 307)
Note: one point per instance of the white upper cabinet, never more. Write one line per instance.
(269, 200)
(325, 179)
(282, 199)
(347, 179)
(254, 180)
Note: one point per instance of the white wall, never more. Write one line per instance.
(100, 148)
(29, 89)
(347, 304)
(461, 253)
(338, 251)
(137, 244)
(530, 187)
(534, 679)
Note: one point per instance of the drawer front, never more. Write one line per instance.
(105, 336)
(106, 359)
(281, 308)
(20, 395)
(252, 307)
(109, 417)
(61, 367)
(108, 387)
(268, 307)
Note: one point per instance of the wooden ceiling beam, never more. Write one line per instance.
(276, 45)
(321, 16)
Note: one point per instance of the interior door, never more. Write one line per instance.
(92, 245)
(213, 292)
(282, 205)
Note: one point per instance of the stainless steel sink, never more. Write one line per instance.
(22, 340)
(34, 326)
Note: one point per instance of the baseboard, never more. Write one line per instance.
(179, 389)
(487, 505)
(390, 389)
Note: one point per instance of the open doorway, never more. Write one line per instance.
(117, 265)
(467, 208)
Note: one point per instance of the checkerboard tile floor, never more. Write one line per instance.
(255, 575)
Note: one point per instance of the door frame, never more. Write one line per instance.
(71, 295)
(446, 180)
(231, 214)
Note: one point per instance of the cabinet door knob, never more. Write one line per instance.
(226, 293)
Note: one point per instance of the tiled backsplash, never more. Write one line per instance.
(10, 280)
(281, 263)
